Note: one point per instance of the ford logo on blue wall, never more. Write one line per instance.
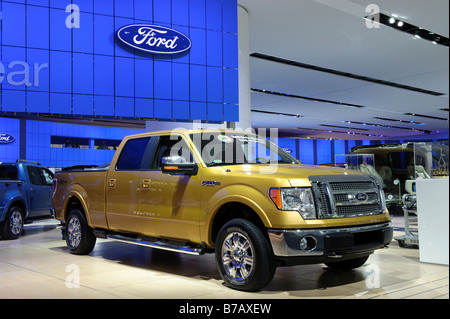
(6, 138)
(154, 39)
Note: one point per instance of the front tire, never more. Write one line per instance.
(244, 257)
(79, 236)
(12, 227)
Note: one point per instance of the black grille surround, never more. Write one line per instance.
(341, 196)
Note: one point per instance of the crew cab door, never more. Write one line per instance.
(141, 199)
(124, 186)
(172, 202)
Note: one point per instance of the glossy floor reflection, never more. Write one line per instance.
(38, 265)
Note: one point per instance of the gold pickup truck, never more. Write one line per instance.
(231, 193)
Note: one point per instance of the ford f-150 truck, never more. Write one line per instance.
(231, 193)
(25, 194)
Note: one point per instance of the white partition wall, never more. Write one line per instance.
(433, 212)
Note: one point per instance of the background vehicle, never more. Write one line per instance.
(233, 194)
(25, 194)
(398, 164)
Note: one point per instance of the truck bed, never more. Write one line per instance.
(89, 182)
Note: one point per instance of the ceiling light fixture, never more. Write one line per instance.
(400, 121)
(415, 31)
(278, 113)
(388, 126)
(342, 73)
(427, 116)
(306, 98)
(345, 127)
(341, 132)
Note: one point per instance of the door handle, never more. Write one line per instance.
(146, 184)
(112, 183)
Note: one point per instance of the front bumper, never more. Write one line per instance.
(318, 244)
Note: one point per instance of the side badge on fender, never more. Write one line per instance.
(210, 183)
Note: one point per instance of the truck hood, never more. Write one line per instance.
(297, 174)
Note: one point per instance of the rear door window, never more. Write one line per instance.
(132, 154)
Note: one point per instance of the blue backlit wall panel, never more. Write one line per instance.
(10, 152)
(84, 71)
(39, 148)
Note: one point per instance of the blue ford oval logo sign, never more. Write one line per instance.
(154, 39)
(361, 197)
(6, 138)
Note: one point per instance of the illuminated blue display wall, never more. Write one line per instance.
(63, 59)
(43, 142)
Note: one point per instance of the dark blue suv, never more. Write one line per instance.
(25, 194)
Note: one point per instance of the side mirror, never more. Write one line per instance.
(177, 165)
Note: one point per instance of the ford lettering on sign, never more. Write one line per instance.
(6, 138)
(154, 39)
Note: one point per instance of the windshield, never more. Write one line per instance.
(229, 148)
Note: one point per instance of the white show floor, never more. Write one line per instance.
(38, 265)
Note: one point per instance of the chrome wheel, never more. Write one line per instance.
(74, 232)
(237, 256)
(16, 223)
(79, 236)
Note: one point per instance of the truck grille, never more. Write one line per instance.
(339, 196)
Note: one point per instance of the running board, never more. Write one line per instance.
(185, 249)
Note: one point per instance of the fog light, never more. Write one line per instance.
(308, 243)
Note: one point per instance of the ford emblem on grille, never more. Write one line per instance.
(361, 197)
(154, 39)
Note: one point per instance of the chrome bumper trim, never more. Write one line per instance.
(285, 242)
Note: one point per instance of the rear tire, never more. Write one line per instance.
(79, 236)
(244, 257)
(12, 226)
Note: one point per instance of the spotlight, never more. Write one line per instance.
(419, 33)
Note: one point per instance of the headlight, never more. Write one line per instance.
(299, 199)
(382, 198)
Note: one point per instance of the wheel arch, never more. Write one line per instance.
(232, 210)
(16, 201)
(74, 201)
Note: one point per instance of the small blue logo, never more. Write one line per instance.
(288, 150)
(6, 138)
(154, 39)
(361, 197)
